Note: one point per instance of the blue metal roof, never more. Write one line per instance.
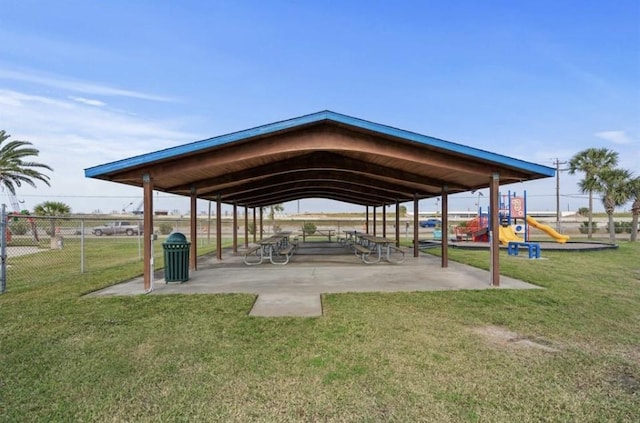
(326, 115)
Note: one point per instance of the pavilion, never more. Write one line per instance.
(322, 155)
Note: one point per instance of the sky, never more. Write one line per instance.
(93, 82)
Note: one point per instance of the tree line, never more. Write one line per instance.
(616, 186)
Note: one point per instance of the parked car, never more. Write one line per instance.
(118, 228)
(430, 223)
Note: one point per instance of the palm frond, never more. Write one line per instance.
(15, 169)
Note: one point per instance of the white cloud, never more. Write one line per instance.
(73, 135)
(616, 137)
(76, 85)
(52, 116)
(88, 101)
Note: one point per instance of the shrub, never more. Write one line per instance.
(584, 227)
(620, 227)
(309, 228)
(18, 228)
(252, 228)
(165, 228)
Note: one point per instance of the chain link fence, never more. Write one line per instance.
(36, 247)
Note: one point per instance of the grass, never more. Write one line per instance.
(371, 357)
(100, 253)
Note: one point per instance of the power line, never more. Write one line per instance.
(558, 163)
(92, 196)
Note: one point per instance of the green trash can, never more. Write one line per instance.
(176, 258)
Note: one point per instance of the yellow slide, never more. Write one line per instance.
(506, 234)
(548, 230)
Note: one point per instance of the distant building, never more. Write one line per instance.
(471, 214)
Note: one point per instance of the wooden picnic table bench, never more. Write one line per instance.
(283, 255)
(363, 253)
(256, 251)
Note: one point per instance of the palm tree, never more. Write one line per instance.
(272, 215)
(591, 161)
(52, 209)
(613, 184)
(15, 165)
(634, 193)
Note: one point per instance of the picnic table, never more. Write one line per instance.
(325, 232)
(350, 237)
(365, 246)
(278, 249)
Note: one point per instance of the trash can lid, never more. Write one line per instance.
(177, 238)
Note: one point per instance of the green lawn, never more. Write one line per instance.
(100, 253)
(371, 357)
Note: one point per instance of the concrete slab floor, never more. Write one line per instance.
(316, 270)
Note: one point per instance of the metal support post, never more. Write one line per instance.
(3, 249)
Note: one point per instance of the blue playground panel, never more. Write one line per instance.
(514, 248)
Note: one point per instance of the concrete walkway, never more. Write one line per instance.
(315, 269)
(287, 304)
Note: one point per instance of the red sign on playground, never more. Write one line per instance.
(517, 207)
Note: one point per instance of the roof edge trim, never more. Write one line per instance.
(100, 170)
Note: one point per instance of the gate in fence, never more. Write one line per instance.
(3, 249)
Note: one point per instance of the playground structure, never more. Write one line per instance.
(548, 230)
(512, 208)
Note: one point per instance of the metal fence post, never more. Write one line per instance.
(3, 249)
(82, 246)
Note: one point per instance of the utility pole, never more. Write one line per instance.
(558, 163)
